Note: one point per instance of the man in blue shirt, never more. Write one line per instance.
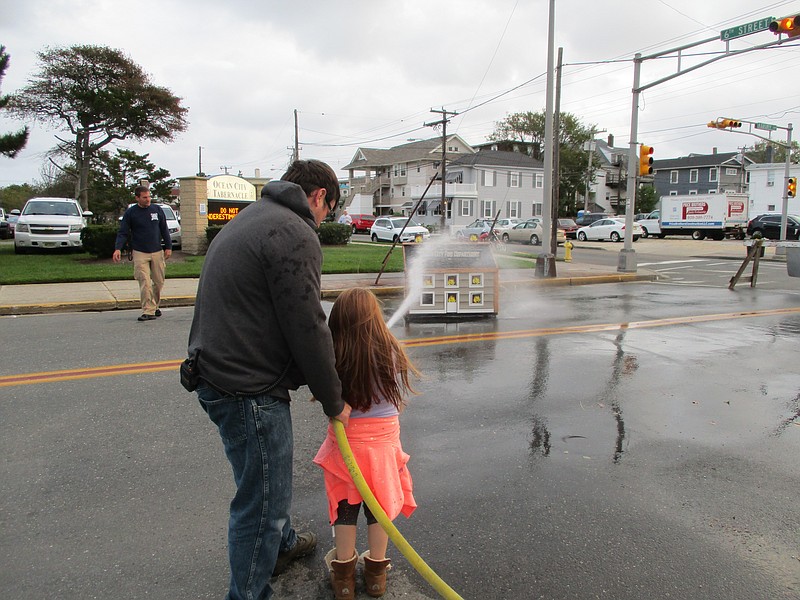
(147, 226)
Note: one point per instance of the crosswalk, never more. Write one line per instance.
(713, 272)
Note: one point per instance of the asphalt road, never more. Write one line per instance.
(619, 441)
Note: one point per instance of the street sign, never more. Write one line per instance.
(746, 29)
(766, 126)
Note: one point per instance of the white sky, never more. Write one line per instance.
(367, 72)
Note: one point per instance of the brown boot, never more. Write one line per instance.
(375, 575)
(343, 575)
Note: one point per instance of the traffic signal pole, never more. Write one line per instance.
(627, 258)
(728, 125)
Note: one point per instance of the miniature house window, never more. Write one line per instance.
(427, 299)
(452, 298)
(428, 281)
(451, 280)
(476, 298)
(476, 280)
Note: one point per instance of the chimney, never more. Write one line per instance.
(610, 140)
(714, 150)
(258, 173)
(770, 151)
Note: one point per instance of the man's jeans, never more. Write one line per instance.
(256, 433)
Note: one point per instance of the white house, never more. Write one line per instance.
(477, 183)
(766, 187)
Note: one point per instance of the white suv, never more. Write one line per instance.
(50, 223)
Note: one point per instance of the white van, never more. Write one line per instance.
(50, 224)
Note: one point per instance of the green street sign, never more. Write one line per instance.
(746, 29)
(766, 126)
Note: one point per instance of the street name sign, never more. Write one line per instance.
(746, 29)
(766, 126)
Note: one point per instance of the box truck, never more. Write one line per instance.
(716, 216)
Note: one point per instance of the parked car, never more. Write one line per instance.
(173, 224)
(589, 218)
(362, 222)
(608, 229)
(569, 226)
(502, 225)
(476, 228)
(50, 223)
(530, 232)
(4, 233)
(388, 229)
(13, 216)
(769, 226)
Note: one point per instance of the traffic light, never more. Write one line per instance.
(790, 26)
(791, 187)
(645, 160)
(725, 124)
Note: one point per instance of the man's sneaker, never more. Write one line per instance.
(158, 312)
(306, 543)
(146, 318)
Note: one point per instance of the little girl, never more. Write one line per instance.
(374, 370)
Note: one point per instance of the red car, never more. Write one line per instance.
(362, 222)
(569, 226)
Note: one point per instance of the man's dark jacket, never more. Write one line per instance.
(258, 303)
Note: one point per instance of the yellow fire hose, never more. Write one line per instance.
(445, 591)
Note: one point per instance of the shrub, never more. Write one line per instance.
(98, 240)
(212, 231)
(334, 234)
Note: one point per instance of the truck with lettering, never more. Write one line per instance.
(715, 216)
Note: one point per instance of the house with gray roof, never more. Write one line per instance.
(496, 181)
(608, 188)
(384, 181)
(713, 173)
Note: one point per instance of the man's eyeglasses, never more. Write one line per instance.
(332, 202)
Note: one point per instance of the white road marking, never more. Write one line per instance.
(673, 262)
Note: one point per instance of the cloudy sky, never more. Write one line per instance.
(368, 72)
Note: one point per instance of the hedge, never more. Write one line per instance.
(334, 234)
(98, 240)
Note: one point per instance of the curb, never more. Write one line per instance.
(327, 294)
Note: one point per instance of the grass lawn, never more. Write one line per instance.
(53, 267)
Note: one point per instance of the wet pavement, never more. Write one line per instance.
(619, 441)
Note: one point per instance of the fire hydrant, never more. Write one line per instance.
(568, 251)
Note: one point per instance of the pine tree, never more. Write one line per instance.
(10, 143)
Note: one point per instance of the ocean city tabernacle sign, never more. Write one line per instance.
(227, 195)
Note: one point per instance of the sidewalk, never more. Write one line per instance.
(118, 295)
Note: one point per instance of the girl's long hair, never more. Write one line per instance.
(371, 363)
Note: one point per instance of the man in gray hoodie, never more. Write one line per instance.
(258, 331)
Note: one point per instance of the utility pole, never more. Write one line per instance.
(296, 155)
(545, 258)
(556, 161)
(200, 162)
(225, 169)
(443, 122)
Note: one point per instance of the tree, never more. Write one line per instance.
(10, 143)
(114, 176)
(759, 153)
(99, 95)
(15, 196)
(528, 127)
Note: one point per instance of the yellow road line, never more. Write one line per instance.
(70, 374)
(169, 365)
